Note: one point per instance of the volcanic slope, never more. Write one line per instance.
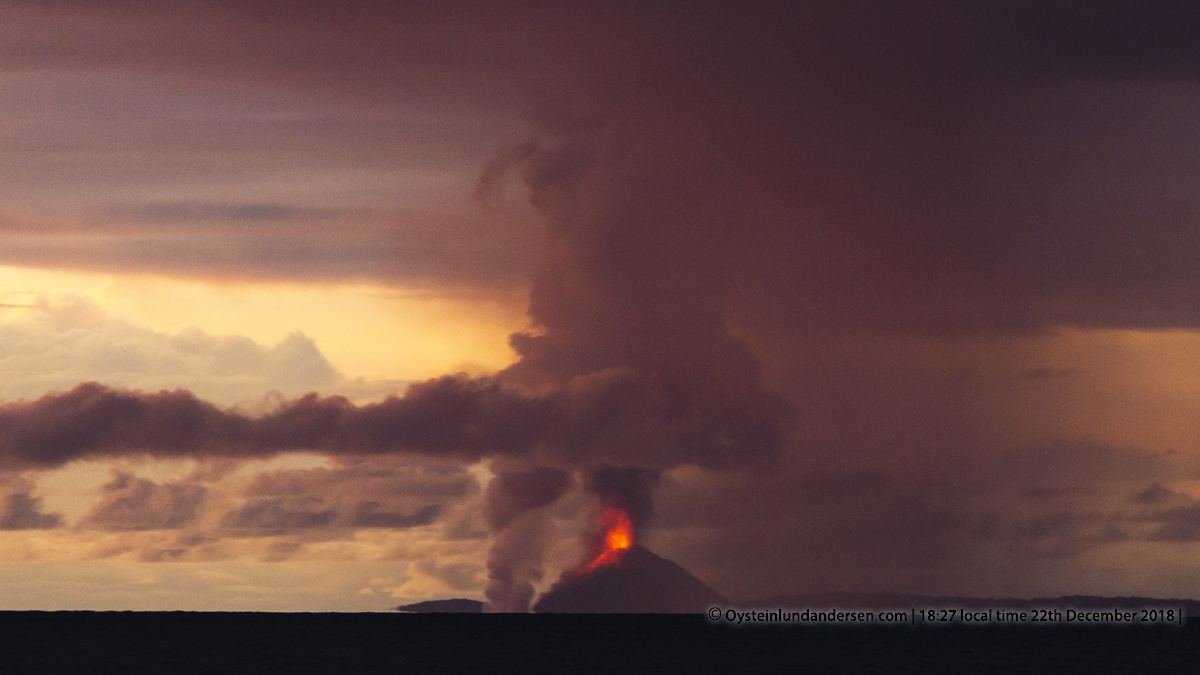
(639, 582)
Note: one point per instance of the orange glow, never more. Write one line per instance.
(618, 536)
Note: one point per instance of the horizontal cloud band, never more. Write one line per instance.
(614, 415)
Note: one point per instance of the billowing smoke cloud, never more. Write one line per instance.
(812, 165)
(627, 489)
(512, 508)
(449, 416)
(827, 179)
(607, 416)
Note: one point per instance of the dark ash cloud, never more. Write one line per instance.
(511, 493)
(923, 166)
(451, 416)
(625, 488)
(609, 415)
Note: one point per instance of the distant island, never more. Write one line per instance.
(456, 606)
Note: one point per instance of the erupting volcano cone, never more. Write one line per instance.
(618, 537)
(631, 580)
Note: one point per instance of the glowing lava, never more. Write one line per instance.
(618, 537)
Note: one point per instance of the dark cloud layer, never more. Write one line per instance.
(451, 416)
(917, 166)
(613, 415)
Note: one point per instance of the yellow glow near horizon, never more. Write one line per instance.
(365, 330)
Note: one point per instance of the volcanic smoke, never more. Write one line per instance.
(627, 369)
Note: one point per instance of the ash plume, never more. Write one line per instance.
(451, 416)
(894, 204)
(608, 416)
(629, 362)
(627, 489)
(512, 509)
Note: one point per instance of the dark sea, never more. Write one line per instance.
(199, 642)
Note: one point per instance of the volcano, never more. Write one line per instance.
(635, 582)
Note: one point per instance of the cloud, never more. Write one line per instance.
(1156, 493)
(221, 212)
(825, 251)
(193, 174)
(1180, 523)
(351, 508)
(978, 527)
(20, 510)
(606, 416)
(391, 481)
(129, 503)
(512, 492)
(354, 494)
(274, 516)
(455, 576)
(366, 514)
(70, 339)
(836, 165)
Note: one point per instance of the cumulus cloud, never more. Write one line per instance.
(63, 340)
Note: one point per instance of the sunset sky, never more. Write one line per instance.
(847, 296)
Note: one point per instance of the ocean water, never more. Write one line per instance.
(199, 642)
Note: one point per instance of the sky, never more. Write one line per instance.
(335, 307)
